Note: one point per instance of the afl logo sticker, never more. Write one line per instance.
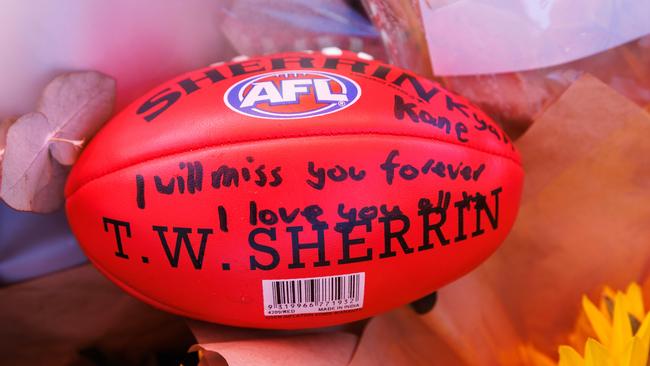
(292, 94)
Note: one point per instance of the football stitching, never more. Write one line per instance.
(280, 138)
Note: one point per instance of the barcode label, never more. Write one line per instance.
(313, 295)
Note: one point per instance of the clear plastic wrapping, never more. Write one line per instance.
(257, 27)
(515, 97)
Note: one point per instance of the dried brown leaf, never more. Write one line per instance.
(76, 106)
(4, 128)
(41, 146)
(28, 170)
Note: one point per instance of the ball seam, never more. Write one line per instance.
(84, 182)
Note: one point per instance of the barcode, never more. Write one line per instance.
(313, 295)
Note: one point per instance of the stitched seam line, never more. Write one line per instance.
(279, 138)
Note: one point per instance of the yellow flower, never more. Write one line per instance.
(621, 328)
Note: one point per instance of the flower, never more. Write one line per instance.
(622, 328)
(614, 333)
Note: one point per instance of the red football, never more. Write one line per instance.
(293, 190)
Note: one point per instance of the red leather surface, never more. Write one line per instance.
(115, 179)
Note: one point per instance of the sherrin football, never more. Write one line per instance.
(294, 190)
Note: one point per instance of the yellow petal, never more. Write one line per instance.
(609, 292)
(644, 329)
(634, 299)
(569, 357)
(599, 323)
(606, 304)
(643, 336)
(635, 354)
(596, 354)
(621, 327)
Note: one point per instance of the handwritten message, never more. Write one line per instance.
(304, 229)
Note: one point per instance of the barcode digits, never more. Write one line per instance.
(316, 290)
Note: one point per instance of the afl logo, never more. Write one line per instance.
(292, 94)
